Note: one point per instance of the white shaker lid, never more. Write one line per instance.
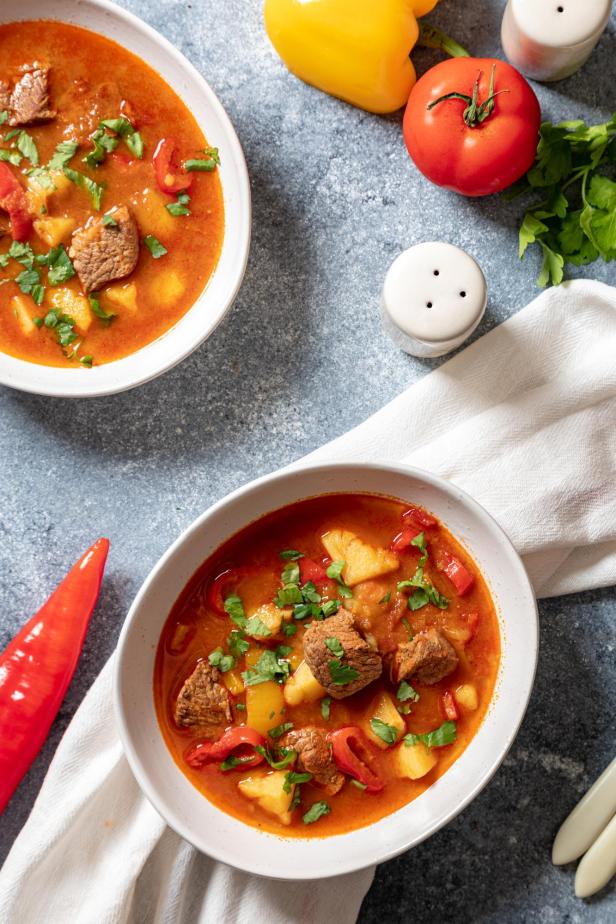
(434, 292)
(561, 23)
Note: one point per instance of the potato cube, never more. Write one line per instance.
(149, 208)
(233, 681)
(19, 307)
(122, 295)
(362, 561)
(384, 708)
(466, 697)
(40, 189)
(54, 231)
(75, 305)
(302, 687)
(168, 288)
(270, 615)
(268, 792)
(414, 761)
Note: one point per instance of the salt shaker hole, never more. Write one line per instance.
(436, 272)
(560, 9)
(462, 294)
(428, 304)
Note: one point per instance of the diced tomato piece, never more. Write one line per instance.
(458, 574)
(404, 538)
(419, 516)
(449, 706)
(168, 173)
(239, 739)
(13, 200)
(310, 570)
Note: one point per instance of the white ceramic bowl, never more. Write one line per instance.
(218, 834)
(211, 306)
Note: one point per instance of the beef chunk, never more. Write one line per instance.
(5, 96)
(315, 756)
(29, 100)
(102, 253)
(428, 658)
(357, 655)
(203, 703)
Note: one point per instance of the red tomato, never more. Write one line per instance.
(168, 173)
(13, 200)
(472, 125)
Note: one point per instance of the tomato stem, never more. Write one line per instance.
(431, 37)
(475, 112)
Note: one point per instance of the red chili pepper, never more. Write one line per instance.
(353, 755)
(38, 664)
(419, 516)
(310, 570)
(458, 574)
(168, 173)
(404, 539)
(13, 200)
(238, 737)
(449, 706)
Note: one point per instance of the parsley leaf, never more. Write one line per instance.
(231, 762)
(406, 692)
(4, 116)
(268, 667)
(59, 266)
(289, 628)
(325, 707)
(180, 206)
(237, 644)
(385, 732)
(26, 145)
(341, 673)
(316, 811)
(154, 246)
(222, 661)
(290, 574)
(95, 306)
(287, 756)
(386, 598)
(234, 608)
(256, 628)
(124, 128)
(291, 555)
(63, 153)
(335, 647)
(295, 779)
(445, 734)
(279, 730)
(109, 221)
(334, 572)
(94, 190)
(11, 157)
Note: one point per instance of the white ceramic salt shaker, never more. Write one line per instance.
(433, 298)
(551, 39)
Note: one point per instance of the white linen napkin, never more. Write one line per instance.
(525, 420)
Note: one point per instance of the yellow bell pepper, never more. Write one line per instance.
(357, 50)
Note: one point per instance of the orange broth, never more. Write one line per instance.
(193, 630)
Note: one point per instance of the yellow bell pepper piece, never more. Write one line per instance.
(357, 50)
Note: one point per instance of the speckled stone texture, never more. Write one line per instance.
(300, 359)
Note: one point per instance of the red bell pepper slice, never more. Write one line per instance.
(239, 739)
(458, 574)
(404, 539)
(13, 200)
(449, 706)
(37, 666)
(310, 570)
(417, 515)
(168, 173)
(353, 755)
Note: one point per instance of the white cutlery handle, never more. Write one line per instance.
(587, 819)
(598, 865)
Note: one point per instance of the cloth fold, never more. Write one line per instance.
(525, 420)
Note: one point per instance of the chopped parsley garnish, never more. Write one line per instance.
(288, 596)
(12, 134)
(407, 626)
(109, 221)
(222, 661)
(335, 647)
(12, 157)
(4, 116)
(445, 734)
(26, 145)
(256, 628)
(86, 361)
(386, 598)
(291, 555)
(316, 811)
(237, 644)
(334, 572)
(240, 706)
(43, 178)
(289, 628)
(406, 692)
(330, 608)
(231, 762)
(38, 322)
(59, 266)
(154, 246)
(94, 190)
(287, 756)
(325, 707)
(295, 779)
(268, 667)
(122, 127)
(283, 651)
(29, 281)
(105, 316)
(358, 785)
(180, 206)
(290, 574)
(310, 593)
(385, 732)
(211, 161)
(62, 155)
(341, 673)
(234, 608)
(62, 325)
(280, 730)
(425, 592)
(103, 144)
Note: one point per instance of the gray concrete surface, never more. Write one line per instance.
(300, 359)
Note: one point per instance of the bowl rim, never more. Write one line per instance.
(60, 382)
(408, 841)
